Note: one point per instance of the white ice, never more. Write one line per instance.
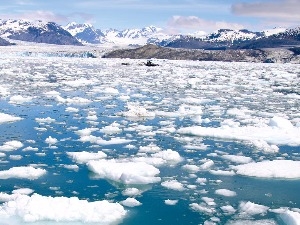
(11, 146)
(22, 172)
(125, 172)
(225, 192)
(38, 208)
(131, 202)
(278, 131)
(173, 184)
(283, 169)
(6, 118)
(84, 157)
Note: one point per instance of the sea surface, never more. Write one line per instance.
(186, 120)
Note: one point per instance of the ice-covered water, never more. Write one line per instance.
(95, 141)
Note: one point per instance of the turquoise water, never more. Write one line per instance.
(154, 90)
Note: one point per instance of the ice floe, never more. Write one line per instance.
(225, 192)
(131, 202)
(290, 217)
(18, 99)
(11, 146)
(125, 172)
(38, 208)
(279, 131)
(84, 157)
(6, 118)
(22, 172)
(283, 169)
(250, 208)
(173, 184)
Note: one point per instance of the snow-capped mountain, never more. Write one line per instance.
(36, 31)
(4, 42)
(232, 36)
(219, 39)
(86, 33)
(239, 39)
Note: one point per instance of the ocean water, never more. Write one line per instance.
(188, 120)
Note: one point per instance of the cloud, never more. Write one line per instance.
(48, 16)
(193, 23)
(287, 10)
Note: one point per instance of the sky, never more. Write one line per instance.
(175, 16)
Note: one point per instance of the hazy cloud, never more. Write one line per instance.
(288, 10)
(193, 23)
(48, 16)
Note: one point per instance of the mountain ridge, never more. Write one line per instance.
(36, 31)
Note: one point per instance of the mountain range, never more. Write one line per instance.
(36, 31)
(86, 34)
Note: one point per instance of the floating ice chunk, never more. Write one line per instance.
(79, 82)
(270, 169)
(202, 208)
(29, 148)
(74, 100)
(290, 217)
(183, 111)
(228, 209)
(131, 202)
(237, 158)
(264, 146)
(85, 131)
(23, 191)
(92, 117)
(11, 146)
(72, 109)
(252, 222)
(225, 192)
(151, 148)
(37, 208)
(84, 157)
(15, 157)
(230, 123)
(71, 167)
(51, 94)
(169, 155)
(18, 99)
(171, 202)
(209, 163)
(280, 122)
(251, 208)
(222, 172)
(45, 120)
(201, 181)
(111, 129)
(51, 141)
(112, 141)
(209, 201)
(191, 168)
(173, 184)
(125, 172)
(4, 91)
(137, 111)
(6, 118)
(277, 135)
(22, 172)
(111, 91)
(131, 192)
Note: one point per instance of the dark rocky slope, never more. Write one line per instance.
(239, 55)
